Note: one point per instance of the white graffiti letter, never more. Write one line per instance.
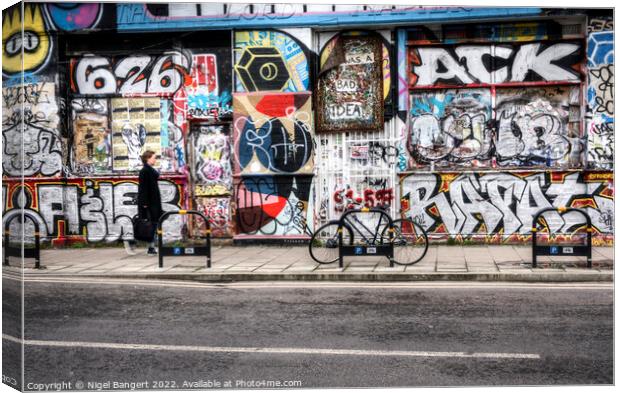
(528, 58)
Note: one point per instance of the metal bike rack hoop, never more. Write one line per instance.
(182, 251)
(17, 251)
(558, 249)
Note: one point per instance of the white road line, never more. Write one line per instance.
(284, 351)
(316, 285)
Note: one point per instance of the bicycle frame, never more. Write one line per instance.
(374, 234)
(374, 250)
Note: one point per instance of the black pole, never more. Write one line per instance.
(37, 250)
(534, 230)
(208, 246)
(391, 231)
(340, 259)
(589, 229)
(6, 247)
(159, 245)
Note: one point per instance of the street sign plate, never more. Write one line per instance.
(177, 251)
(554, 250)
(359, 250)
(189, 250)
(371, 250)
(567, 250)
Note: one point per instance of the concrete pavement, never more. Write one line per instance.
(292, 262)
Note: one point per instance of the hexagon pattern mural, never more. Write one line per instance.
(269, 60)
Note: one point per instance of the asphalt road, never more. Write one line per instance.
(391, 335)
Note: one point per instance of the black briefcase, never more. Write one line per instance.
(143, 229)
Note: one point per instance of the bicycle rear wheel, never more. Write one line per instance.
(324, 242)
(410, 241)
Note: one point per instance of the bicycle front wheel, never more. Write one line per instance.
(409, 239)
(324, 242)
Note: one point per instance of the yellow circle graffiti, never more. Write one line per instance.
(268, 71)
(34, 41)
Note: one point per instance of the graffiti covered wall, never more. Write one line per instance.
(273, 132)
(89, 116)
(505, 124)
(92, 210)
(274, 162)
(600, 117)
(152, 98)
(32, 103)
(487, 110)
(499, 206)
(482, 122)
(148, 101)
(44, 106)
(210, 155)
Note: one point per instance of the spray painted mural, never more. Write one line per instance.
(218, 212)
(274, 157)
(74, 16)
(41, 23)
(42, 145)
(273, 133)
(91, 75)
(539, 126)
(211, 156)
(520, 126)
(451, 126)
(199, 90)
(36, 45)
(273, 207)
(350, 89)
(499, 206)
(92, 210)
(523, 105)
(269, 60)
(493, 64)
(600, 119)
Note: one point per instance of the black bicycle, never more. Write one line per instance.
(407, 239)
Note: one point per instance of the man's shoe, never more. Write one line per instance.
(151, 252)
(130, 248)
